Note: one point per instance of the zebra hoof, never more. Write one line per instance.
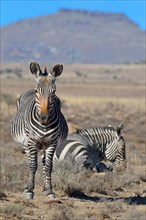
(110, 168)
(101, 167)
(50, 196)
(28, 195)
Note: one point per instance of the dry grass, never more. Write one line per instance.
(89, 101)
(13, 211)
(76, 181)
(133, 213)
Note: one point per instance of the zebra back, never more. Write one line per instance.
(25, 98)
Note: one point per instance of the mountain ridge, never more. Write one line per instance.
(74, 36)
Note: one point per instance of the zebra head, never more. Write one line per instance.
(45, 91)
(116, 148)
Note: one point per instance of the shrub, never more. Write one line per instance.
(134, 214)
(12, 210)
(76, 181)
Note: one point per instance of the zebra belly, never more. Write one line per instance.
(20, 137)
(17, 129)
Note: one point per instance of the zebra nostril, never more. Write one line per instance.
(43, 118)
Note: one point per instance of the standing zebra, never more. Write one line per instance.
(39, 125)
(92, 145)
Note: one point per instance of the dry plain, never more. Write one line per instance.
(91, 95)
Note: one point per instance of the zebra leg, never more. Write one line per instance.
(47, 172)
(44, 170)
(100, 167)
(88, 165)
(32, 158)
(109, 166)
(97, 166)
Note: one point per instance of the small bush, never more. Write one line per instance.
(13, 175)
(110, 208)
(66, 212)
(114, 207)
(8, 99)
(12, 210)
(3, 195)
(74, 180)
(134, 214)
(63, 213)
(67, 175)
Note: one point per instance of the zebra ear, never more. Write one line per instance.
(78, 130)
(57, 70)
(35, 69)
(119, 128)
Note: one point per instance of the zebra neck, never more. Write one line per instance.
(52, 112)
(97, 136)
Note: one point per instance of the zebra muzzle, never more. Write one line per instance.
(43, 118)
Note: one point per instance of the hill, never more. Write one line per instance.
(74, 36)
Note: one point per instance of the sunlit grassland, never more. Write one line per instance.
(138, 103)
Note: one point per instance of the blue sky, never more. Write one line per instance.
(15, 10)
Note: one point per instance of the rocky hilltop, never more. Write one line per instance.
(74, 36)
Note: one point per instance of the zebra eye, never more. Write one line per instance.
(40, 90)
(38, 94)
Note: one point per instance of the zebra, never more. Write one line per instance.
(40, 125)
(92, 145)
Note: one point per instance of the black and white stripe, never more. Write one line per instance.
(92, 145)
(40, 125)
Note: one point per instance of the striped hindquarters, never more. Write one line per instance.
(70, 148)
(25, 98)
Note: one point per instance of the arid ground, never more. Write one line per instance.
(91, 95)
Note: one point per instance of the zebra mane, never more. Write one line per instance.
(109, 128)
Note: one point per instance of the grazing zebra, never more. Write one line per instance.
(39, 125)
(92, 145)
